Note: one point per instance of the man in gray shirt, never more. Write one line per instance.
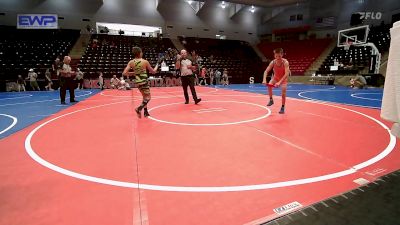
(217, 75)
(358, 82)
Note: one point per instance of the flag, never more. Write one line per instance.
(326, 22)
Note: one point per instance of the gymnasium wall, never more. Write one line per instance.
(341, 9)
(210, 20)
(281, 20)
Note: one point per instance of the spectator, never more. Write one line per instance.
(47, 76)
(211, 74)
(161, 55)
(56, 67)
(32, 76)
(115, 82)
(94, 43)
(123, 85)
(202, 79)
(163, 64)
(21, 83)
(225, 80)
(217, 75)
(100, 82)
(211, 58)
(199, 59)
(349, 66)
(195, 57)
(79, 78)
(175, 52)
(196, 60)
(358, 82)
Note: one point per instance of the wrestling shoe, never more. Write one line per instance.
(138, 113)
(146, 113)
(282, 111)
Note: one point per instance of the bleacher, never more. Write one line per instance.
(237, 57)
(300, 54)
(112, 53)
(21, 50)
(359, 56)
(380, 36)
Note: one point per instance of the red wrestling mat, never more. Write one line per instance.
(228, 160)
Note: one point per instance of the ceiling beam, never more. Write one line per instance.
(235, 9)
(197, 6)
(274, 13)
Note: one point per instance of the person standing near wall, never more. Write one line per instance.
(225, 79)
(47, 76)
(217, 75)
(32, 77)
(56, 67)
(79, 78)
(100, 82)
(211, 74)
(203, 73)
(21, 83)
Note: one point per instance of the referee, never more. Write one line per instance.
(66, 81)
(186, 67)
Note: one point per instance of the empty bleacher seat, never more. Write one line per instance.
(21, 50)
(300, 54)
(113, 52)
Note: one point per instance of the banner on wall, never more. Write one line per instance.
(37, 21)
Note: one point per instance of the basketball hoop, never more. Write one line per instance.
(352, 36)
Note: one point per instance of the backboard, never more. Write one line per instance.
(353, 36)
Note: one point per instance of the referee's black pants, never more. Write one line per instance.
(67, 83)
(188, 81)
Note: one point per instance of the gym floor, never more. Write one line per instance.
(228, 160)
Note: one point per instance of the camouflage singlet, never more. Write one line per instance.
(140, 72)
